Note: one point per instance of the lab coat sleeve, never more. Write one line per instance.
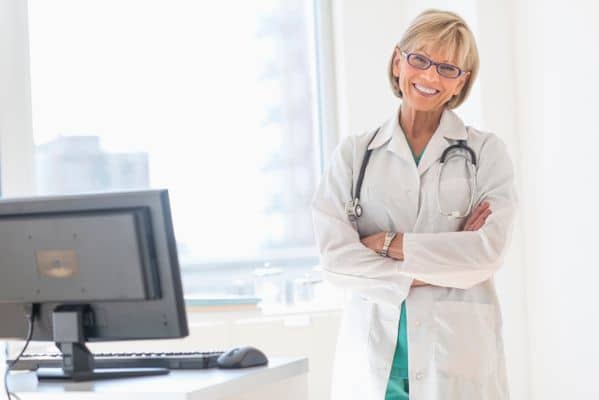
(346, 262)
(464, 259)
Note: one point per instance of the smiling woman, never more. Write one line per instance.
(451, 43)
(403, 251)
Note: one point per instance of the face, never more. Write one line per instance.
(426, 90)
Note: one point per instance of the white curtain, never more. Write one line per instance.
(557, 79)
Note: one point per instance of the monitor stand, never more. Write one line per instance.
(78, 361)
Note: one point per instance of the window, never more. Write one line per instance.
(216, 103)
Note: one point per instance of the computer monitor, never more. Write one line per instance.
(96, 267)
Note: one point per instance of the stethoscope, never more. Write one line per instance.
(353, 209)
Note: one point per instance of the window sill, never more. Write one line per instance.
(212, 308)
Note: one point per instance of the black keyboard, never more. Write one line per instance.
(184, 360)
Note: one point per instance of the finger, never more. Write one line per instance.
(467, 225)
(470, 220)
(482, 207)
(474, 215)
(481, 220)
(478, 226)
(478, 211)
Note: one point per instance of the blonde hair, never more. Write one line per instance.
(446, 31)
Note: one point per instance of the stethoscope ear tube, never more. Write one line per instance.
(471, 164)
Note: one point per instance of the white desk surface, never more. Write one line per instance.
(287, 374)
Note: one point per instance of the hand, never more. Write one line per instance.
(477, 217)
(416, 282)
(374, 242)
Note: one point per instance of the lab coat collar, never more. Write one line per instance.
(450, 129)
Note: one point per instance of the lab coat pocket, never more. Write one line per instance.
(353, 334)
(382, 336)
(465, 339)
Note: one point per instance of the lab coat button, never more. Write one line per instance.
(419, 375)
(417, 322)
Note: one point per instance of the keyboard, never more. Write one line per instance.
(184, 360)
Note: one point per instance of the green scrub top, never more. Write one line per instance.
(398, 387)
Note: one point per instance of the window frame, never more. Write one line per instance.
(16, 125)
(17, 148)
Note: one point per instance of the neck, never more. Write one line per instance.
(419, 124)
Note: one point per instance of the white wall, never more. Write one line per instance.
(558, 85)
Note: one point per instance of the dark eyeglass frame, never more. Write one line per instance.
(431, 63)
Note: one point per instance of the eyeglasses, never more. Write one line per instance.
(422, 62)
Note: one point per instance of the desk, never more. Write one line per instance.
(283, 378)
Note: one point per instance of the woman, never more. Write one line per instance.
(423, 321)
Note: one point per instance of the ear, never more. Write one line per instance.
(396, 62)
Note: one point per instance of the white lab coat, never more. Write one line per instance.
(455, 344)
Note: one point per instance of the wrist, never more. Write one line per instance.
(396, 247)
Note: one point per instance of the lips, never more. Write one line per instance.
(424, 90)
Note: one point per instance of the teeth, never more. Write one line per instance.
(424, 89)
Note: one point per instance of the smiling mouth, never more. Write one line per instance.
(425, 91)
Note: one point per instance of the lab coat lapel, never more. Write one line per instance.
(451, 128)
(432, 152)
(399, 145)
(394, 138)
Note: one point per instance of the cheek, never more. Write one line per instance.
(404, 81)
(454, 87)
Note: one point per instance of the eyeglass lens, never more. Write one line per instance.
(422, 62)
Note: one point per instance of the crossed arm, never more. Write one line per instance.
(474, 222)
(459, 259)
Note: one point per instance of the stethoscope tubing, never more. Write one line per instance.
(353, 208)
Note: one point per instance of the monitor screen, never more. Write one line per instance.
(84, 256)
(113, 252)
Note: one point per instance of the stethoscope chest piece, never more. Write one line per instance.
(353, 209)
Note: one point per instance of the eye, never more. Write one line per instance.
(418, 60)
(449, 70)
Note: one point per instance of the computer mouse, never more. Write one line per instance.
(241, 357)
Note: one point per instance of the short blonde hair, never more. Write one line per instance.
(446, 31)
